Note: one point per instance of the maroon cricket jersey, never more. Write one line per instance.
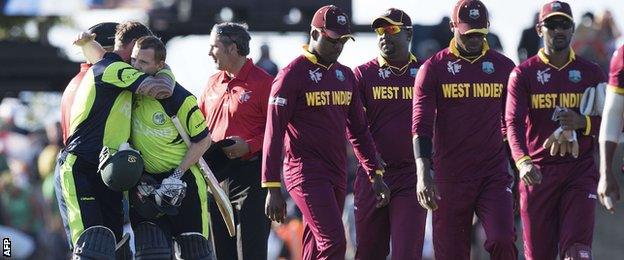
(616, 71)
(387, 99)
(460, 104)
(68, 99)
(311, 110)
(536, 87)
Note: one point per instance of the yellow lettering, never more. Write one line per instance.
(408, 92)
(376, 92)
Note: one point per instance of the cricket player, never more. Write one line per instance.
(167, 160)
(100, 116)
(105, 36)
(457, 112)
(610, 131)
(386, 87)
(558, 193)
(314, 104)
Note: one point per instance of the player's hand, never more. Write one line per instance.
(570, 120)
(381, 191)
(562, 142)
(425, 187)
(275, 206)
(529, 173)
(83, 38)
(608, 191)
(238, 149)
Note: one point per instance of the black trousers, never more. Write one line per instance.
(241, 181)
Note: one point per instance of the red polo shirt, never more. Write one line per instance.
(68, 99)
(238, 106)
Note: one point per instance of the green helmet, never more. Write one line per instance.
(121, 170)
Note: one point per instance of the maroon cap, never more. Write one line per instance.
(392, 16)
(555, 8)
(333, 21)
(470, 16)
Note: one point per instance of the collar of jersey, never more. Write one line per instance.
(453, 49)
(242, 74)
(312, 58)
(384, 62)
(542, 56)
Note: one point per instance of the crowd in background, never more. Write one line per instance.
(30, 140)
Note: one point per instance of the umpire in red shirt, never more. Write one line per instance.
(235, 106)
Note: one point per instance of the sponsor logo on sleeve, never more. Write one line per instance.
(277, 101)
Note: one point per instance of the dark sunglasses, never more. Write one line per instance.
(342, 40)
(561, 24)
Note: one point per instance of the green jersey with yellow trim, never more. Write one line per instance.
(155, 135)
(100, 114)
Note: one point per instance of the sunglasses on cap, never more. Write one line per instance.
(561, 24)
(390, 29)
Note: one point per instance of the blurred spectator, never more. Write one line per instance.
(494, 42)
(530, 42)
(609, 33)
(595, 39)
(265, 61)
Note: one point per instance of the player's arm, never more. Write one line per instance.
(516, 111)
(359, 85)
(610, 132)
(364, 147)
(159, 86)
(281, 106)
(91, 49)
(194, 123)
(121, 75)
(424, 104)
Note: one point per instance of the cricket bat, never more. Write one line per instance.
(225, 207)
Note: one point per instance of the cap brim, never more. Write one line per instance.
(336, 35)
(383, 19)
(557, 14)
(465, 28)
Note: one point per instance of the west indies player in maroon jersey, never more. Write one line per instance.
(386, 88)
(458, 106)
(314, 107)
(558, 193)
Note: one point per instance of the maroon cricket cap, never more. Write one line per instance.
(555, 8)
(333, 21)
(392, 16)
(471, 16)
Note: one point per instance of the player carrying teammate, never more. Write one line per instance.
(385, 84)
(313, 105)
(457, 111)
(558, 196)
